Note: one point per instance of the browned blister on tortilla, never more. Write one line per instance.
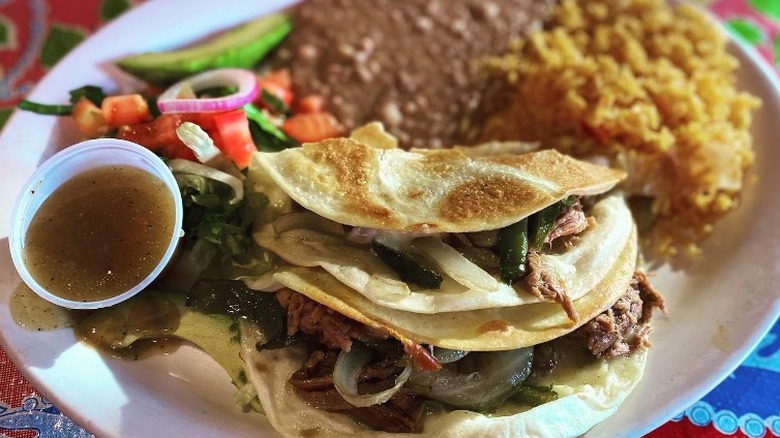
(436, 191)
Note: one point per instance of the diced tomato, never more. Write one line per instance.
(233, 137)
(159, 135)
(204, 120)
(89, 118)
(312, 127)
(128, 109)
(178, 150)
(312, 103)
(278, 83)
(155, 134)
(279, 77)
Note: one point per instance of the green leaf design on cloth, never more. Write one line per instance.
(746, 30)
(5, 113)
(5, 33)
(777, 50)
(770, 8)
(59, 42)
(110, 9)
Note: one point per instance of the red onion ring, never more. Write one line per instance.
(245, 80)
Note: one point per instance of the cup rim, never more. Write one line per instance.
(21, 211)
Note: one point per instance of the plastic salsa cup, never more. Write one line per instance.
(62, 167)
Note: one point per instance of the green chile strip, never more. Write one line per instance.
(534, 395)
(233, 297)
(409, 266)
(542, 222)
(513, 244)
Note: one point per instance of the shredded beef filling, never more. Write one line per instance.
(541, 281)
(328, 326)
(570, 222)
(620, 330)
(624, 327)
(335, 330)
(544, 285)
(314, 384)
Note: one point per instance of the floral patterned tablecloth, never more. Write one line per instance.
(35, 34)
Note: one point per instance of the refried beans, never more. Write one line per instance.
(405, 63)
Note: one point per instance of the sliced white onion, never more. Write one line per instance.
(447, 355)
(454, 264)
(482, 384)
(171, 100)
(319, 241)
(362, 234)
(307, 220)
(380, 285)
(346, 373)
(193, 168)
(264, 282)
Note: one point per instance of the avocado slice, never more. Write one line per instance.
(242, 47)
(158, 315)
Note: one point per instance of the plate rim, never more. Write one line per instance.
(736, 356)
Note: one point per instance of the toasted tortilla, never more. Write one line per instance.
(589, 391)
(490, 329)
(578, 269)
(355, 184)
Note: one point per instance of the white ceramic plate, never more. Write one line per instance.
(719, 307)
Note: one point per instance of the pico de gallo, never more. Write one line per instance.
(207, 126)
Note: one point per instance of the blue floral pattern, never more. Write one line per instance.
(748, 400)
(39, 415)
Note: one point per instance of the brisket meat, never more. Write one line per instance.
(544, 285)
(570, 222)
(624, 327)
(314, 384)
(326, 325)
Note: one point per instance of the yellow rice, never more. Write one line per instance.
(649, 86)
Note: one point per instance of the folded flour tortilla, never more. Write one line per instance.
(415, 197)
(589, 392)
(356, 184)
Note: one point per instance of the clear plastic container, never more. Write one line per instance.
(63, 166)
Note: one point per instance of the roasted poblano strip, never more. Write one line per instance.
(543, 222)
(513, 245)
(409, 266)
(534, 395)
(233, 297)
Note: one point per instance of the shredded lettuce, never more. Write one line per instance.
(181, 166)
(217, 229)
(195, 138)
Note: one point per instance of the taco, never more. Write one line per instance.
(448, 294)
